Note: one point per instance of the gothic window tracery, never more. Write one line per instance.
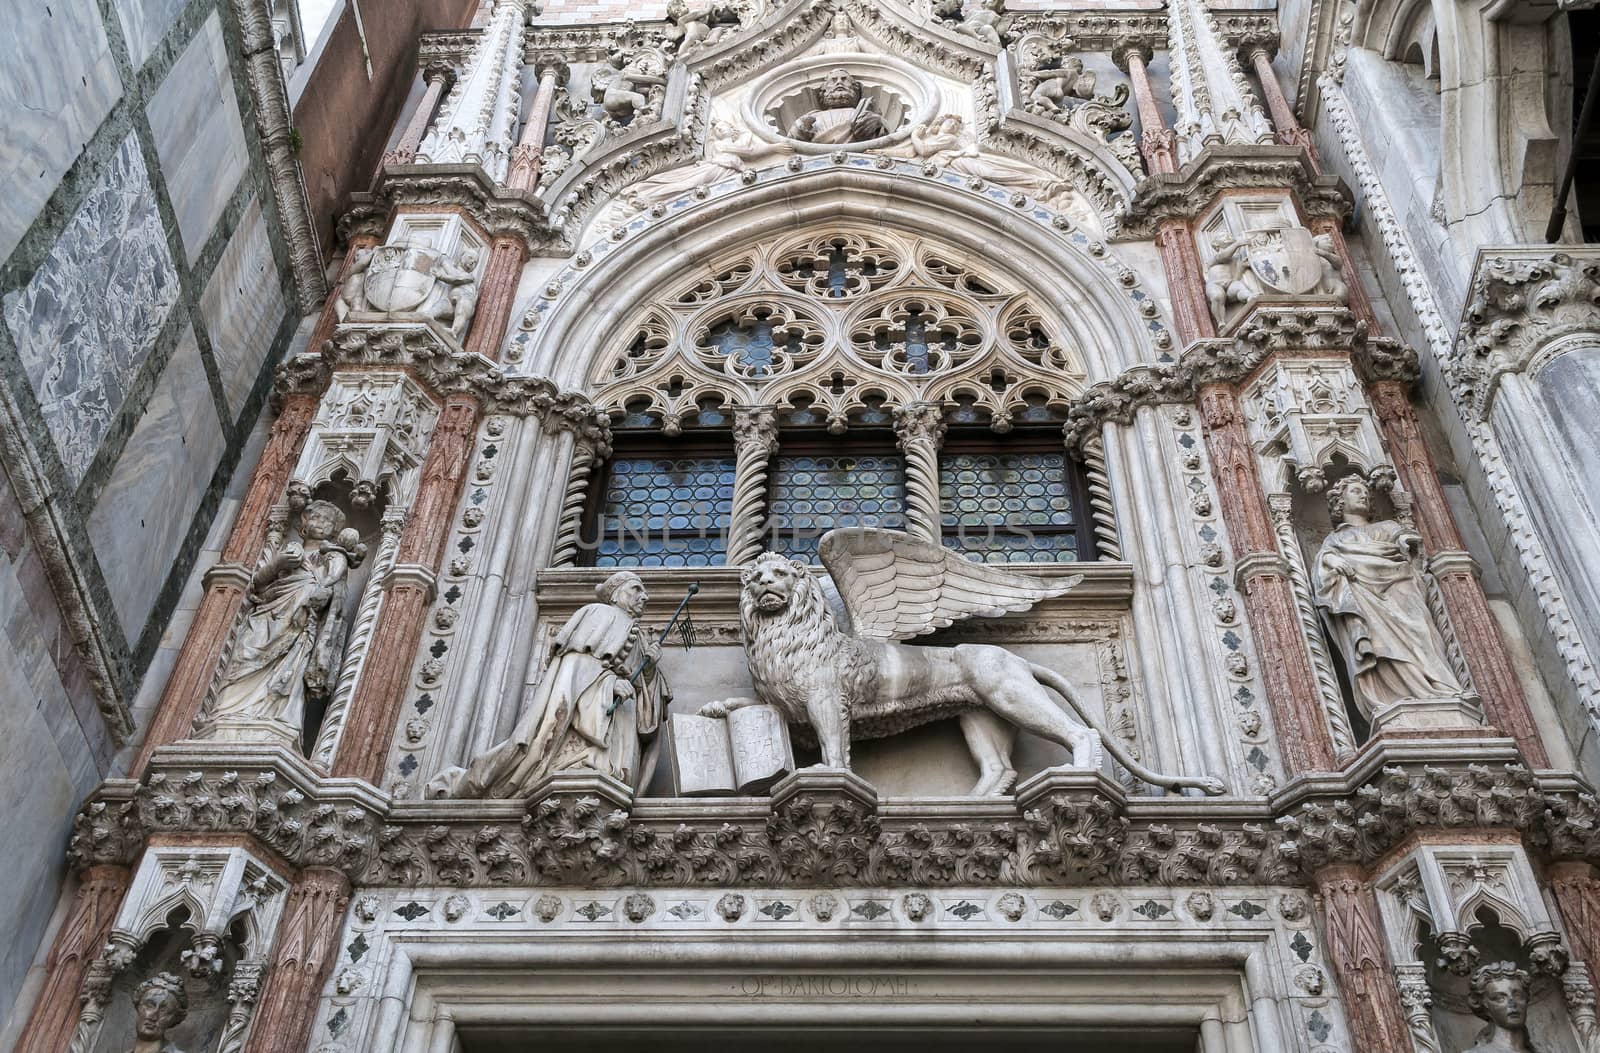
(835, 334)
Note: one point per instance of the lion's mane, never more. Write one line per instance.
(794, 652)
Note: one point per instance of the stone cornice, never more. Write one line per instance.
(1062, 828)
(1269, 330)
(498, 210)
(1188, 193)
(1522, 301)
(427, 353)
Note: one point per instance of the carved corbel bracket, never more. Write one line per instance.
(1188, 193)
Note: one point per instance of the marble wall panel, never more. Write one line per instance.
(86, 321)
(145, 22)
(57, 83)
(194, 117)
(146, 508)
(243, 306)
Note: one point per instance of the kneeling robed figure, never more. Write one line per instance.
(867, 685)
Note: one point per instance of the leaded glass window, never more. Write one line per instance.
(835, 485)
(1010, 502)
(665, 509)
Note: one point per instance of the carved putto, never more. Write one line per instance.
(843, 114)
(697, 22)
(1369, 587)
(600, 693)
(987, 23)
(866, 684)
(403, 278)
(287, 647)
(631, 86)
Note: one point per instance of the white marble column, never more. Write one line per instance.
(919, 432)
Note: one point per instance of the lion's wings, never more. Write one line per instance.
(897, 587)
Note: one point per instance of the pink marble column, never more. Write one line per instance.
(1156, 140)
(1577, 893)
(226, 583)
(1283, 120)
(1285, 666)
(80, 940)
(526, 155)
(1504, 703)
(496, 292)
(405, 151)
(303, 954)
(1355, 949)
(375, 706)
(1185, 281)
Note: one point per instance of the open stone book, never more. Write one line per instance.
(745, 752)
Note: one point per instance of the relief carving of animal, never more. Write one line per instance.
(865, 684)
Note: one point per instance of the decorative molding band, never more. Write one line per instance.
(1187, 193)
(497, 210)
(830, 828)
(273, 119)
(428, 354)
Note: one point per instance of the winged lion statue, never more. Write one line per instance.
(867, 684)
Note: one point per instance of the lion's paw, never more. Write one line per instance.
(718, 708)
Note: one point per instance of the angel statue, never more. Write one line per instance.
(291, 636)
(865, 684)
(601, 693)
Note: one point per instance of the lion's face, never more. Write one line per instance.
(771, 582)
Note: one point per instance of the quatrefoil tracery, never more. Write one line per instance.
(834, 316)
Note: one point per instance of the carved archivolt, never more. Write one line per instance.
(844, 319)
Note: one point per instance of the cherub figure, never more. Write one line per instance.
(988, 24)
(1332, 282)
(1224, 274)
(1053, 87)
(622, 85)
(462, 302)
(353, 290)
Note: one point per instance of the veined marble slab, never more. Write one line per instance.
(86, 321)
(194, 117)
(243, 306)
(145, 23)
(57, 83)
(144, 512)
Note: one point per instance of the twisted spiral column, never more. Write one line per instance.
(755, 438)
(919, 432)
(585, 458)
(1102, 511)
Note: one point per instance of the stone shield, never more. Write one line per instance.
(1285, 259)
(398, 279)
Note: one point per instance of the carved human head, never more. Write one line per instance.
(839, 89)
(321, 520)
(1349, 496)
(159, 1005)
(1500, 994)
(625, 590)
(469, 258)
(770, 580)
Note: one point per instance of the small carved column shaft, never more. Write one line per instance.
(227, 581)
(1156, 140)
(1504, 702)
(369, 724)
(525, 156)
(330, 312)
(303, 954)
(499, 287)
(405, 150)
(1269, 600)
(1355, 949)
(1185, 280)
(919, 431)
(82, 935)
(1289, 131)
(755, 438)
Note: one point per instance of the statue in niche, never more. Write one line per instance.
(159, 1005)
(600, 694)
(1369, 587)
(846, 114)
(413, 279)
(628, 86)
(291, 637)
(836, 687)
(1499, 996)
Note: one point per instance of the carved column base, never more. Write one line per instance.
(82, 935)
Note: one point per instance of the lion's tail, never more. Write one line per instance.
(1058, 683)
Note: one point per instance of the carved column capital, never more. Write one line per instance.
(755, 429)
(919, 431)
(1128, 49)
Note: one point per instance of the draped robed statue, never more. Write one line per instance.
(1369, 587)
(600, 696)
